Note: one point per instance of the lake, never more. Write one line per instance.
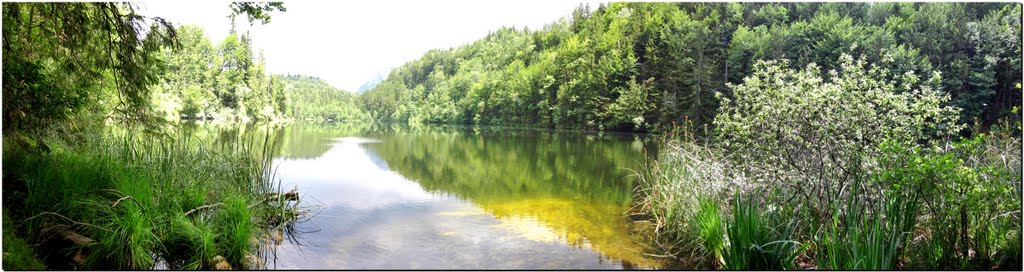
(397, 197)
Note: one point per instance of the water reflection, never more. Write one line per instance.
(450, 198)
(569, 187)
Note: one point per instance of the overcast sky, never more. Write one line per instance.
(349, 42)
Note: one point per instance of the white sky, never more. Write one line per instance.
(349, 42)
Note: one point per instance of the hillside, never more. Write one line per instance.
(312, 98)
(647, 66)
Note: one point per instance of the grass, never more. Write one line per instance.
(195, 243)
(863, 238)
(710, 229)
(17, 254)
(666, 193)
(758, 241)
(952, 205)
(143, 199)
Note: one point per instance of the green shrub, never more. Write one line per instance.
(810, 136)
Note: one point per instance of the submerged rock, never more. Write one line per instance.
(640, 217)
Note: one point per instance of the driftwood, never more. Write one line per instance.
(292, 195)
(62, 236)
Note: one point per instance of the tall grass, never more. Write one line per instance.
(145, 199)
(758, 240)
(867, 237)
(710, 230)
(946, 205)
(667, 193)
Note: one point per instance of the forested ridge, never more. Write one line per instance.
(646, 66)
(228, 81)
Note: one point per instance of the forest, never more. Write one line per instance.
(837, 136)
(647, 66)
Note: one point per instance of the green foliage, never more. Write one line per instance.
(972, 199)
(647, 66)
(865, 167)
(312, 98)
(128, 239)
(18, 255)
(103, 49)
(867, 236)
(687, 218)
(235, 228)
(814, 135)
(758, 240)
(256, 10)
(143, 198)
(710, 229)
(224, 81)
(191, 241)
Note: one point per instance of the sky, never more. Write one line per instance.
(348, 43)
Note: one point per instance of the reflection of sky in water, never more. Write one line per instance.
(372, 217)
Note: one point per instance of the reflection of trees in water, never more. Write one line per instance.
(308, 141)
(576, 184)
(515, 164)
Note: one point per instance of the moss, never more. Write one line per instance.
(17, 254)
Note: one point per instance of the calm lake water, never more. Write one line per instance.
(460, 198)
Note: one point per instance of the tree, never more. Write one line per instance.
(48, 79)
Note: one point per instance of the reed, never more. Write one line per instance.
(145, 199)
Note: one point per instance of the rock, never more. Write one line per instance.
(277, 237)
(253, 262)
(220, 263)
(79, 257)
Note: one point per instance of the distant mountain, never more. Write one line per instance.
(373, 82)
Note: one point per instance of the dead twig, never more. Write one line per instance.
(65, 218)
(128, 197)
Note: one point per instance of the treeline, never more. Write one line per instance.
(315, 100)
(228, 81)
(646, 66)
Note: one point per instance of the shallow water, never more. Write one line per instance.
(460, 198)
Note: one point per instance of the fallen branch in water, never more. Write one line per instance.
(203, 207)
